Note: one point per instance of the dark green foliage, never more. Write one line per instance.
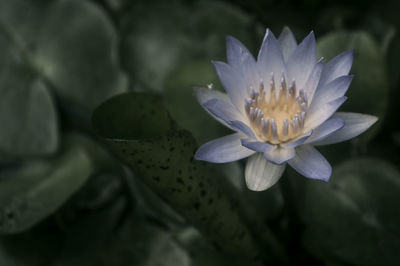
(35, 189)
(125, 190)
(353, 218)
(163, 159)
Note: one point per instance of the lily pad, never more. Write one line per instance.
(155, 42)
(139, 130)
(69, 45)
(28, 113)
(354, 218)
(33, 190)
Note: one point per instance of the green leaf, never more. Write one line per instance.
(156, 42)
(354, 218)
(138, 129)
(33, 190)
(369, 90)
(210, 34)
(153, 41)
(27, 112)
(70, 45)
(139, 242)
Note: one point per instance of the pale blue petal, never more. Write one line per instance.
(236, 52)
(331, 91)
(310, 163)
(297, 141)
(338, 66)
(354, 125)
(223, 150)
(257, 145)
(312, 82)
(325, 129)
(288, 43)
(205, 94)
(261, 174)
(316, 116)
(302, 61)
(233, 82)
(280, 155)
(251, 74)
(243, 61)
(222, 110)
(242, 127)
(270, 58)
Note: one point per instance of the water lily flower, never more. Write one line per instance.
(281, 106)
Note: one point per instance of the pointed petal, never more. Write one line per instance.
(312, 82)
(251, 74)
(257, 145)
(242, 127)
(261, 174)
(288, 43)
(223, 150)
(302, 61)
(236, 52)
(310, 163)
(205, 94)
(280, 155)
(316, 117)
(354, 125)
(233, 82)
(332, 90)
(270, 58)
(336, 67)
(326, 129)
(243, 61)
(297, 141)
(222, 110)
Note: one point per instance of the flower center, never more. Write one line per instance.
(276, 115)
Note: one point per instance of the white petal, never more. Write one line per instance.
(325, 129)
(310, 163)
(288, 43)
(280, 155)
(331, 91)
(223, 150)
(261, 174)
(223, 110)
(336, 67)
(270, 58)
(316, 117)
(313, 79)
(257, 145)
(354, 125)
(233, 82)
(302, 61)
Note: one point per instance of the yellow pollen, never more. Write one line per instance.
(277, 116)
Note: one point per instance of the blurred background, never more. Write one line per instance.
(66, 199)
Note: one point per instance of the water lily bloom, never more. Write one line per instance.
(281, 106)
